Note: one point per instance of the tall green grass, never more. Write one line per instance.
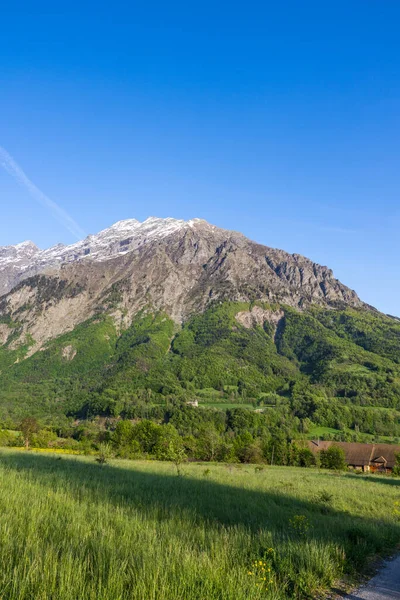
(71, 529)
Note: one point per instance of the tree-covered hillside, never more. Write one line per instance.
(321, 367)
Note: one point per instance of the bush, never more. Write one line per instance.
(43, 439)
(333, 458)
(132, 450)
(304, 458)
(104, 454)
(146, 433)
(324, 500)
(8, 438)
(396, 468)
(123, 434)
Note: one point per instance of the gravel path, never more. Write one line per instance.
(384, 586)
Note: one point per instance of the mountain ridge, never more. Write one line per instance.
(24, 260)
(180, 267)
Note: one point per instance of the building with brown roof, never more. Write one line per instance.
(367, 457)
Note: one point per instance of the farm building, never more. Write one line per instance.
(367, 457)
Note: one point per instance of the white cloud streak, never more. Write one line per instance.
(13, 169)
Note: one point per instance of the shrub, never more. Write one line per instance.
(299, 524)
(104, 454)
(131, 450)
(396, 468)
(305, 458)
(43, 439)
(8, 438)
(123, 434)
(146, 433)
(178, 457)
(333, 458)
(324, 500)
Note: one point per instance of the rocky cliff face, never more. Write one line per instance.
(24, 260)
(177, 266)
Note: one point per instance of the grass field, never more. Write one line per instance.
(225, 405)
(71, 529)
(318, 431)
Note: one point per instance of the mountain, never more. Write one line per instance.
(24, 260)
(145, 312)
(172, 265)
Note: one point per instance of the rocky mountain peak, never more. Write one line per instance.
(24, 260)
(13, 260)
(19, 251)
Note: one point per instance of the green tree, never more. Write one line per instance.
(208, 443)
(169, 446)
(29, 426)
(275, 451)
(124, 442)
(123, 434)
(168, 443)
(247, 449)
(333, 458)
(239, 419)
(305, 458)
(43, 439)
(146, 433)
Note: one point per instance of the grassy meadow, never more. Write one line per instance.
(72, 529)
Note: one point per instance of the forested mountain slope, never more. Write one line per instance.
(284, 361)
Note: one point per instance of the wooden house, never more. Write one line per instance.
(366, 457)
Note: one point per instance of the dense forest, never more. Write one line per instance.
(331, 372)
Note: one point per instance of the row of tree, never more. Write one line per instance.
(182, 439)
(163, 442)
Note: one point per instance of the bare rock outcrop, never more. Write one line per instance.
(258, 316)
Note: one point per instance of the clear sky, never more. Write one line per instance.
(278, 119)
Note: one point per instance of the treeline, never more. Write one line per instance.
(146, 439)
(235, 435)
(164, 443)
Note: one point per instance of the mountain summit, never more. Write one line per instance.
(23, 260)
(224, 257)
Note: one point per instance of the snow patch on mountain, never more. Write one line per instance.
(23, 260)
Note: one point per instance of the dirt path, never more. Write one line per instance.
(384, 586)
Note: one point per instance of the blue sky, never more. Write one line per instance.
(280, 120)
